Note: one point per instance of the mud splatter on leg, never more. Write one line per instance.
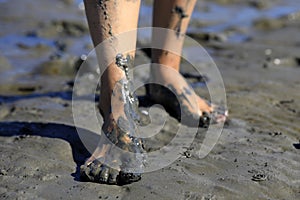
(107, 19)
(181, 15)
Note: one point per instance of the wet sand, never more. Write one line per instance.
(256, 157)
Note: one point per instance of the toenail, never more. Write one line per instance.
(104, 174)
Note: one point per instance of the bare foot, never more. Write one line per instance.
(118, 159)
(180, 100)
(112, 161)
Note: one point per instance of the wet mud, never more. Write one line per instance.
(256, 47)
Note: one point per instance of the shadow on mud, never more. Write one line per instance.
(53, 130)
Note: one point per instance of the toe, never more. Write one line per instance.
(94, 167)
(125, 178)
(89, 172)
(84, 174)
(113, 174)
(204, 120)
(103, 176)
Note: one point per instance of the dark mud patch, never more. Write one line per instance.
(63, 28)
(269, 24)
(208, 37)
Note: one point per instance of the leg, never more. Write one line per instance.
(106, 20)
(175, 15)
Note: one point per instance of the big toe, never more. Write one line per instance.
(113, 175)
(126, 178)
(88, 172)
(108, 175)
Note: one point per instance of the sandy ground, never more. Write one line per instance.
(41, 43)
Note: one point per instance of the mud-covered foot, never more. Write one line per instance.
(99, 172)
(181, 102)
(118, 158)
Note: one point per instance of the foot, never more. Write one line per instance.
(118, 159)
(112, 162)
(180, 100)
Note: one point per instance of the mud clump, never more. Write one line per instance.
(258, 4)
(70, 28)
(269, 24)
(63, 28)
(58, 65)
(209, 37)
(226, 2)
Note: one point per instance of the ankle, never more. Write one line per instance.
(112, 86)
(111, 76)
(166, 58)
